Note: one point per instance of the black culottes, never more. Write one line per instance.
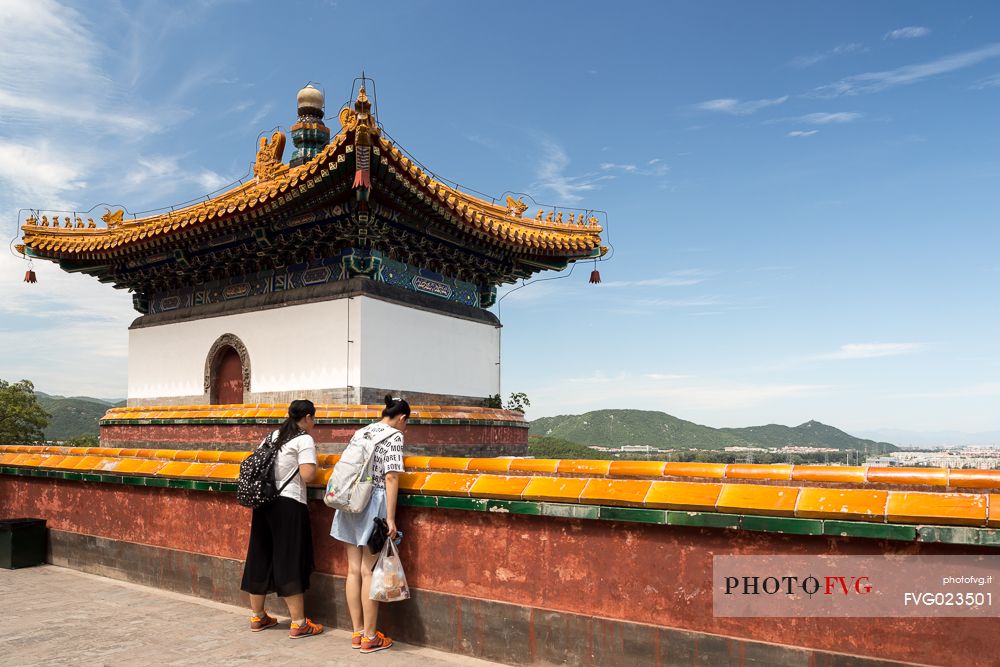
(280, 553)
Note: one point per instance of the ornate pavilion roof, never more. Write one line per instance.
(358, 190)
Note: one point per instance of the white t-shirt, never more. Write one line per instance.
(388, 454)
(298, 450)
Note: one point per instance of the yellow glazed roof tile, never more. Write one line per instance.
(842, 474)
(128, 465)
(448, 484)
(841, 504)
(534, 465)
(922, 476)
(780, 471)
(152, 466)
(974, 479)
(621, 492)
(448, 463)
(636, 468)
(583, 467)
(938, 508)
(555, 489)
(52, 461)
(710, 470)
(993, 517)
(173, 469)
(489, 465)
(499, 486)
(412, 481)
(688, 496)
(758, 499)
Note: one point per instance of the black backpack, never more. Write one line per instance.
(256, 486)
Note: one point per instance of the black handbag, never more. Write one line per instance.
(379, 535)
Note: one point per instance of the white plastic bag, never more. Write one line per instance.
(388, 579)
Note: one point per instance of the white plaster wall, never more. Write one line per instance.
(438, 354)
(290, 348)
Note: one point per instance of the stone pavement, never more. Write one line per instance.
(57, 616)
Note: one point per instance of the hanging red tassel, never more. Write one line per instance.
(595, 277)
(29, 276)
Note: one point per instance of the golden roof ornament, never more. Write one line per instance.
(515, 207)
(268, 162)
(113, 219)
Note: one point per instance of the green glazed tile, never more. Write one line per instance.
(90, 477)
(312, 493)
(186, 484)
(514, 507)
(230, 487)
(875, 531)
(571, 511)
(779, 524)
(158, 481)
(702, 519)
(134, 481)
(37, 472)
(205, 486)
(112, 479)
(633, 514)
(417, 501)
(454, 503)
(959, 535)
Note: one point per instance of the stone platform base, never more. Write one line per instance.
(505, 632)
(433, 430)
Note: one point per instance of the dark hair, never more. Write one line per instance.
(297, 410)
(395, 407)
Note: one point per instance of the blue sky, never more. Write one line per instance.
(801, 196)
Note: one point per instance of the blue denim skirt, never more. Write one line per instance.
(356, 528)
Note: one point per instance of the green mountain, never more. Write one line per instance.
(812, 433)
(70, 417)
(614, 428)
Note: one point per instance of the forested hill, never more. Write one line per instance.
(614, 428)
(811, 433)
(74, 416)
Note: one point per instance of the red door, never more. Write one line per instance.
(228, 378)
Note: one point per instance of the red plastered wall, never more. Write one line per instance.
(636, 572)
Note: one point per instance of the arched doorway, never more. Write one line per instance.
(228, 386)
(227, 371)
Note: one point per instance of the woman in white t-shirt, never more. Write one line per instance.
(354, 529)
(280, 552)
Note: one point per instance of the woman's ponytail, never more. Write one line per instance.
(297, 410)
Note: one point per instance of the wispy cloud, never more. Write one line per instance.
(869, 351)
(909, 32)
(823, 118)
(654, 167)
(167, 169)
(739, 107)
(873, 82)
(693, 302)
(982, 389)
(802, 133)
(552, 176)
(675, 279)
(811, 59)
(47, 47)
(988, 82)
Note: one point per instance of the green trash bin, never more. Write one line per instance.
(22, 543)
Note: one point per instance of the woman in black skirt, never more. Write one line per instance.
(280, 553)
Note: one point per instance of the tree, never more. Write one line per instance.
(83, 441)
(22, 419)
(518, 401)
